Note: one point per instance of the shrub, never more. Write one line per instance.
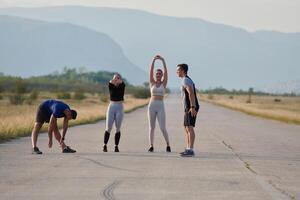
(103, 97)
(141, 93)
(34, 95)
(146, 84)
(79, 95)
(20, 86)
(231, 97)
(63, 95)
(28, 101)
(210, 96)
(250, 92)
(16, 99)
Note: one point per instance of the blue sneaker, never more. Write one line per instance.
(183, 152)
(188, 153)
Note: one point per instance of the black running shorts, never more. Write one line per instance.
(42, 115)
(189, 120)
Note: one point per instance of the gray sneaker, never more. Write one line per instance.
(188, 153)
(67, 149)
(36, 150)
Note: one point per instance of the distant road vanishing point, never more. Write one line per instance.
(237, 157)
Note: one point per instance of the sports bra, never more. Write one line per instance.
(157, 91)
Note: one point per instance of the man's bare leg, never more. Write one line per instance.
(58, 137)
(191, 133)
(35, 132)
(64, 147)
(187, 137)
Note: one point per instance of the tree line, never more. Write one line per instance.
(69, 80)
(221, 90)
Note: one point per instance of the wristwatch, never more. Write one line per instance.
(63, 138)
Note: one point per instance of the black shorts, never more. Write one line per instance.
(189, 120)
(42, 115)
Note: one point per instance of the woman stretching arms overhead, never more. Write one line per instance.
(156, 108)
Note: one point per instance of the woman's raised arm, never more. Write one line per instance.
(165, 80)
(151, 73)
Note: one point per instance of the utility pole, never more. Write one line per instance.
(250, 92)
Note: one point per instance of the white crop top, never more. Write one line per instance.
(157, 91)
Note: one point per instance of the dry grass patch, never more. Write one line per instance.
(18, 120)
(286, 109)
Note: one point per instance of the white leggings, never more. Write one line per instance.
(156, 108)
(115, 114)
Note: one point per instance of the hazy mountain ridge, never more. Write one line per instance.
(219, 55)
(31, 47)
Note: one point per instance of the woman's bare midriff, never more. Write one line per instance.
(157, 97)
(116, 101)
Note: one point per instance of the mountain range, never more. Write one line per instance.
(218, 55)
(31, 47)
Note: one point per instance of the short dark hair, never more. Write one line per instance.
(74, 114)
(184, 67)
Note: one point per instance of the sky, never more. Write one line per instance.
(252, 15)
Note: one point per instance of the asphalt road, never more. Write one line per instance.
(237, 157)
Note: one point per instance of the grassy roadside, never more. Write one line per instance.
(17, 120)
(284, 109)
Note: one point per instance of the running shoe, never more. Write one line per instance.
(188, 153)
(67, 149)
(183, 152)
(117, 149)
(104, 148)
(168, 149)
(151, 149)
(36, 150)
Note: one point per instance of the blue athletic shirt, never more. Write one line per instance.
(55, 107)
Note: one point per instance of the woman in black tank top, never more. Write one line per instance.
(115, 111)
